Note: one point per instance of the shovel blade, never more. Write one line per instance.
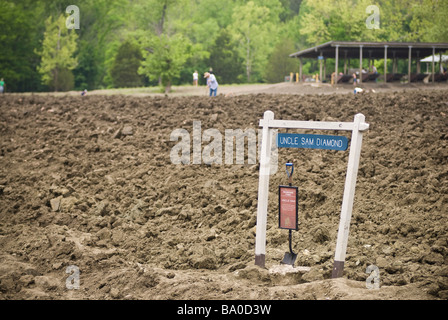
(289, 258)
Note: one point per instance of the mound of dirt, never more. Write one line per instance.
(89, 182)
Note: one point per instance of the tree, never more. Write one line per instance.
(164, 58)
(165, 47)
(429, 22)
(254, 28)
(279, 63)
(104, 24)
(20, 29)
(346, 20)
(124, 70)
(86, 72)
(224, 59)
(58, 48)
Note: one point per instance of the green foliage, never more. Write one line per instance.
(19, 24)
(165, 57)
(124, 70)
(430, 21)
(103, 26)
(58, 48)
(254, 28)
(66, 80)
(87, 70)
(345, 20)
(278, 67)
(224, 59)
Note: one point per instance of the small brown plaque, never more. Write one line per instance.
(288, 207)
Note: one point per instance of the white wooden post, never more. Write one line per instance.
(263, 190)
(349, 194)
(433, 54)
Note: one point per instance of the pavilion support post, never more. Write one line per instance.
(360, 64)
(409, 64)
(345, 61)
(336, 65)
(418, 62)
(394, 63)
(385, 64)
(433, 54)
(320, 68)
(325, 69)
(300, 69)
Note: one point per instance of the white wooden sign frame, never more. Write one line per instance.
(268, 123)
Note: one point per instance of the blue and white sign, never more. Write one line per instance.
(312, 141)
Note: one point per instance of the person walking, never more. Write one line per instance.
(212, 84)
(2, 86)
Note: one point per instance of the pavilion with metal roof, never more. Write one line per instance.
(374, 50)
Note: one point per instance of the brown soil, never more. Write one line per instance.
(88, 181)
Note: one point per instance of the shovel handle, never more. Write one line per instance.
(290, 242)
(289, 173)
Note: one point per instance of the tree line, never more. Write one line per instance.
(135, 43)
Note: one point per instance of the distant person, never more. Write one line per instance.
(212, 84)
(195, 78)
(375, 72)
(84, 93)
(2, 86)
(354, 79)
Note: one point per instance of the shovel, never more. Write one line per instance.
(290, 257)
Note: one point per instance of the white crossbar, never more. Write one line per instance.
(316, 125)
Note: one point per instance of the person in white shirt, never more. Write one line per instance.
(195, 78)
(212, 84)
